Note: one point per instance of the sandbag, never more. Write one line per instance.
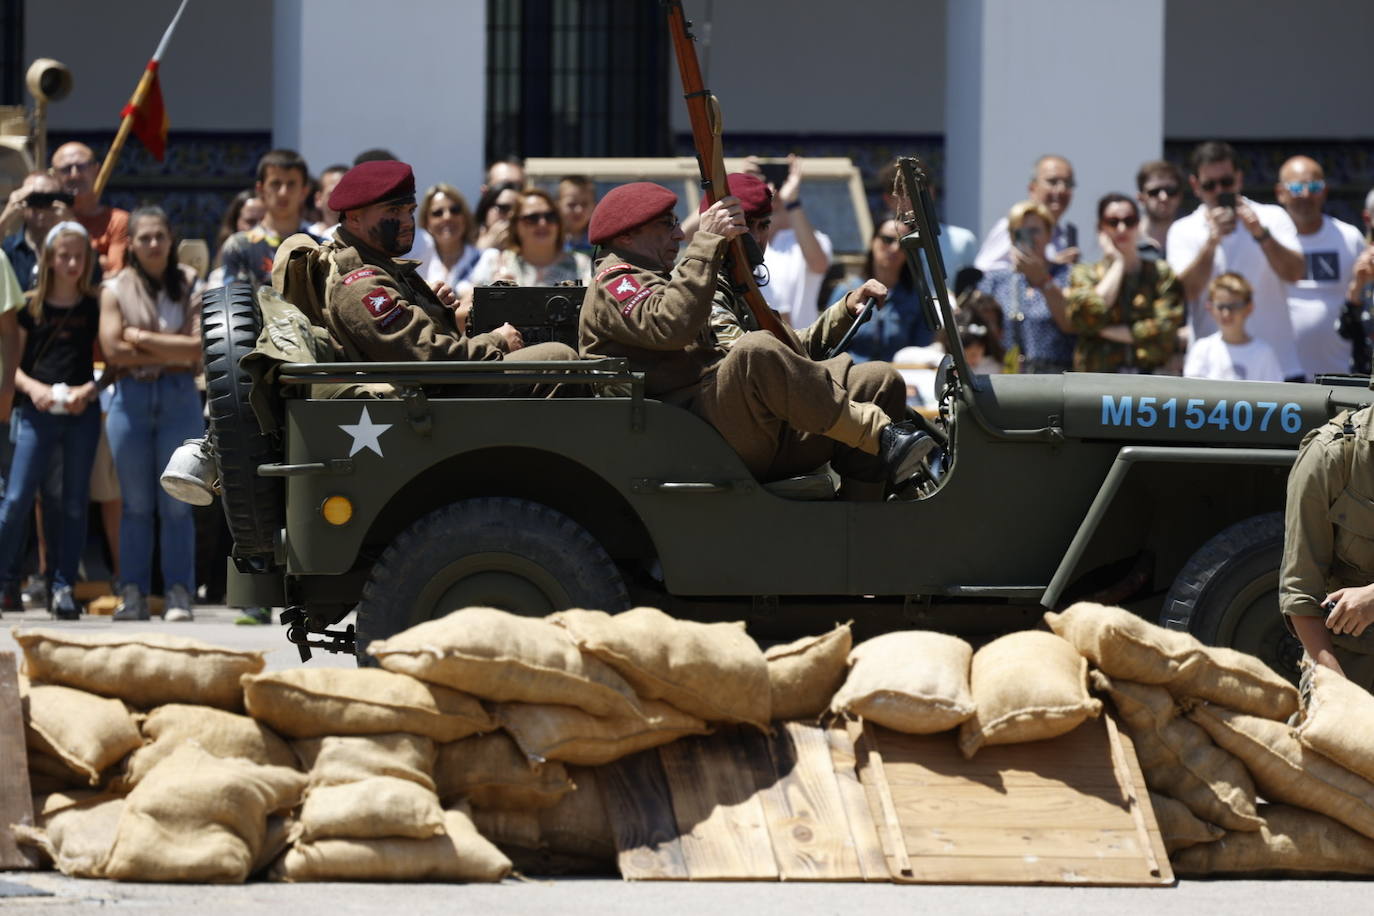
(312, 702)
(914, 681)
(1129, 647)
(1179, 827)
(381, 806)
(1179, 759)
(143, 669)
(505, 657)
(509, 829)
(199, 818)
(548, 732)
(491, 772)
(49, 773)
(74, 830)
(338, 759)
(86, 732)
(804, 675)
(579, 825)
(1293, 843)
(276, 839)
(1026, 686)
(224, 734)
(713, 671)
(459, 854)
(1338, 721)
(1286, 771)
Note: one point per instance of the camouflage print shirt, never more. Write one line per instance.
(1150, 303)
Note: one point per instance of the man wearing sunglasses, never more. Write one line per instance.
(1230, 232)
(1159, 189)
(1331, 252)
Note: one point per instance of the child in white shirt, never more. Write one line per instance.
(1231, 354)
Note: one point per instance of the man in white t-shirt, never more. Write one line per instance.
(1231, 233)
(797, 256)
(1052, 186)
(1329, 249)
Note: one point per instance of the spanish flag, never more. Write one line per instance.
(150, 122)
(145, 113)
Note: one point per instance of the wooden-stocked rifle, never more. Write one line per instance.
(704, 112)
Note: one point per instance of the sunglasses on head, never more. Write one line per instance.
(530, 219)
(1130, 222)
(1315, 186)
(1164, 190)
(1212, 184)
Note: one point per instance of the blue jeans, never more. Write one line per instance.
(40, 438)
(146, 422)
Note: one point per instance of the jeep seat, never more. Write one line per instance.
(819, 484)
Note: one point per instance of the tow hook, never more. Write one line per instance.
(298, 632)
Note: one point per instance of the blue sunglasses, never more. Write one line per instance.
(1311, 187)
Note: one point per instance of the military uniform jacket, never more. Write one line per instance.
(658, 320)
(731, 319)
(1328, 538)
(380, 310)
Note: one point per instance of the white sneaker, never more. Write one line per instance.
(132, 603)
(178, 605)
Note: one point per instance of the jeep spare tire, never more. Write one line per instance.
(511, 554)
(253, 505)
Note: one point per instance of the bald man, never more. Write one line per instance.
(75, 166)
(1337, 265)
(1051, 184)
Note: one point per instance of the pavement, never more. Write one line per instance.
(54, 894)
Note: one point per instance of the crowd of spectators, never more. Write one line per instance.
(100, 323)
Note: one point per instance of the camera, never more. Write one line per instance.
(39, 199)
(539, 313)
(1227, 199)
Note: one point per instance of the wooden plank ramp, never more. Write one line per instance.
(16, 804)
(1070, 810)
(855, 802)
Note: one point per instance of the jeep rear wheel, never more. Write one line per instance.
(512, 554)
(1228, 594)
(252, 505)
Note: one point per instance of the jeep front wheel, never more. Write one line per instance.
(1228, 594)
(512, 554)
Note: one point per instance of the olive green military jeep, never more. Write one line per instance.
(1161, 494)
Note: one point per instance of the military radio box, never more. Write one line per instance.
(539, 313)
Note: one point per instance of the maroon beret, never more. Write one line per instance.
(370, 182)
(753, 193)
(628, 207)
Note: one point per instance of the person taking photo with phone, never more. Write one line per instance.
(1229, 232)
(1037, 333)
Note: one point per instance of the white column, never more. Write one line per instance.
(1080, 78)
(351, 75)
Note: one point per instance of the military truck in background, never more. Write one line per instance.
(1161, 494)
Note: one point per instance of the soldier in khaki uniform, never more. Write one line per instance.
(783, 413)
(376, 306)
(1326, 588)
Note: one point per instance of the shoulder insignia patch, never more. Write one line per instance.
(612, 269)
(361, 273)
(627, 291)
(382, 306)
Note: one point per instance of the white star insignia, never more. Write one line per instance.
(365, 433)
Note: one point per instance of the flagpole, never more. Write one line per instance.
(140, 92)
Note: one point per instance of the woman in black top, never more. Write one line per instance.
(55, 406)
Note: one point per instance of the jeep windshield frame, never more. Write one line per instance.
(922, 249)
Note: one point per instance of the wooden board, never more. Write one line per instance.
(1072, 810)
(720, 818)
(641, 813)
(801, 799)
(16, 802)
(868, 844)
